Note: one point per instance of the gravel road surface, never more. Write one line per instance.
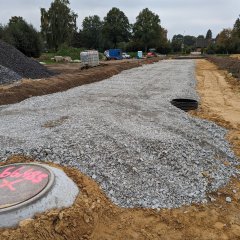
(124, 133)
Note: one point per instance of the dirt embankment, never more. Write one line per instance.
(94, 217)
(231, 64)
(220, 99)
(70, 76)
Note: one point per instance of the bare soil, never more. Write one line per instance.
(220, 99)
(94, 217)
(231, 64)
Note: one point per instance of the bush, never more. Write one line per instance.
(72, 52)
(132, 54)
(23, 36)
(64, 51)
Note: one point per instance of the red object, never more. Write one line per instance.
(151, 54)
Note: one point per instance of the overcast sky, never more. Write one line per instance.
(188, 17)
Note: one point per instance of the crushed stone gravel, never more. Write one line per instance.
(17, 62)
(124, 133)
(7, 75)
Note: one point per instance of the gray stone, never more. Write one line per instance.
(128, 136)
(228, 199)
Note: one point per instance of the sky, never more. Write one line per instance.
(187, 17)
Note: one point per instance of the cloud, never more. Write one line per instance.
(193, 17)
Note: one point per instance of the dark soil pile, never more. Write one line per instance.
(17, 62)
(6, 75)
(232, 65)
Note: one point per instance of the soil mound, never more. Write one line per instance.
(232, 65)
(17, 62)
(7, 75)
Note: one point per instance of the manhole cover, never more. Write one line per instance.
(185, 104)
(22, 183)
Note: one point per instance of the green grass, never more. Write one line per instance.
(132, 54)
(74, 53)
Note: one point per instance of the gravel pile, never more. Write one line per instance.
(7, 75)
(124, 133)
(17, 62)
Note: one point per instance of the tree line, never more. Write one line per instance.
(58, 28)
(226, 42)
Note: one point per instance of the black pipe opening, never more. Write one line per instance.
(185, 104)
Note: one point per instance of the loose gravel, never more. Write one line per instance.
(7, 75)
(124, 133)
(23, 66)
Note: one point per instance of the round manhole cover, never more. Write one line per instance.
(23, 183)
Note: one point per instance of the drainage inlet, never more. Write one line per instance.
(21, 184)
(185, 104)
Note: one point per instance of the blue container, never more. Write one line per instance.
(115, 54)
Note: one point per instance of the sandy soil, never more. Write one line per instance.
(94, 217)
(235, 56)
(220, 99)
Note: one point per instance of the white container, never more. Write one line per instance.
(90, 58)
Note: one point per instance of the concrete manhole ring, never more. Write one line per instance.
(22, 184)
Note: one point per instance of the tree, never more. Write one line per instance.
(58, 24)
(1, 31)
(200, 37)
(77, 39)
(92, 32)
(236, 28)
(224, 41)
(147, 29)
(163, 44)
(23, 36)
(189, 41)
(209, 35)
(211, 49)
(236, 36)
(201, 42)
(177, 42)
(116, 27)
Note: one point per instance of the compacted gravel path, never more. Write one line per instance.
(124, 133)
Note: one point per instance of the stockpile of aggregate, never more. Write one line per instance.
(19, 65)
(7, 75)
(124, 133)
